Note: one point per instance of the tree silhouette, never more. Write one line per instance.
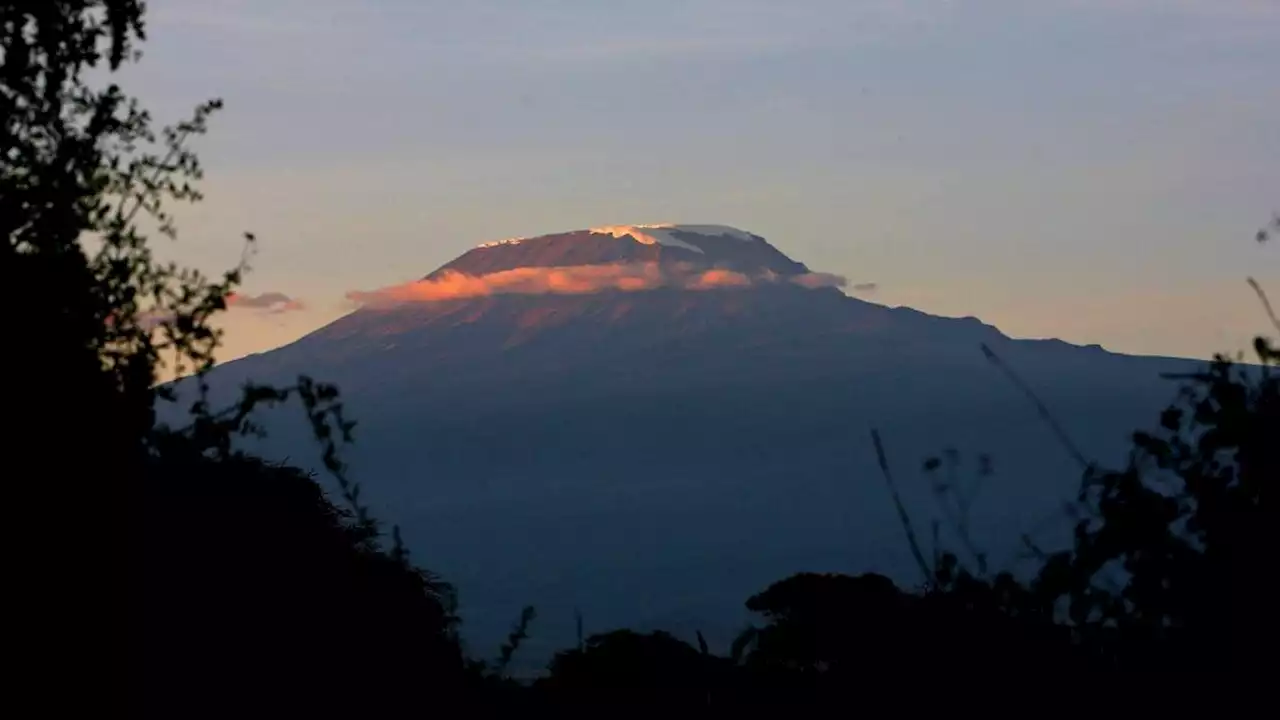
(244, 587)
(1165, 572)
(259, 594)
(653, 668)
(1169, 552)
(843, 636)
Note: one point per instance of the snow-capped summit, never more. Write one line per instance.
(705, 245)
(652, 234)
(669, 234)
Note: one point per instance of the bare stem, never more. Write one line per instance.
(1266, 303)
(902, 510)
(1043, 410)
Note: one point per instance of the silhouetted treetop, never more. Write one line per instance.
(243, 584)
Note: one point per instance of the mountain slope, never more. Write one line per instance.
(653, 453)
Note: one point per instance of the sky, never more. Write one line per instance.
(1092, 170)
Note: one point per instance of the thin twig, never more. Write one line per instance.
(902, 510)
(140, 197)
(960, 525)
(1266, 303)
(577, 621)
(1047, 416)
(958, 517)
(515, 639)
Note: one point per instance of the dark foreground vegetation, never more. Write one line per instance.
(249, 590)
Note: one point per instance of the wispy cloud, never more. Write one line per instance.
(577, 280)
(820, 280)
(267, 303)
(272, 302)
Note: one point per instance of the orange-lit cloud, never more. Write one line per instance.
(720, 278)
(565, 280)
(576, 280)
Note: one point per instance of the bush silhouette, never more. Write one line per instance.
(258, 594)
(247, 588)
(635, 668)
(1168, 551)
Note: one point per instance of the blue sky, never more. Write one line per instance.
(1084, 169)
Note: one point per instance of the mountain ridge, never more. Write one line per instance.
(651, 450)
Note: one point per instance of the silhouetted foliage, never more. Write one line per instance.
(1166, 570)
(843, 635)
(635, 668)
(519, 633)
(247, 588)
(1268, 231)
(1170, 554)
(259, 593)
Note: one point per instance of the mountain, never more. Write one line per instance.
(649, 423)
(706, 246)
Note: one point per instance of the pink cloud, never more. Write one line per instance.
(718, 279)
(575, 280)
(564, 280)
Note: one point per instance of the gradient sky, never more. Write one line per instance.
(1085, 169)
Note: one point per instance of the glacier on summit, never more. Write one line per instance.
(665, 233)
(651, 234)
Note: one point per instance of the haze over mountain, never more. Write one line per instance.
(650, 422)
